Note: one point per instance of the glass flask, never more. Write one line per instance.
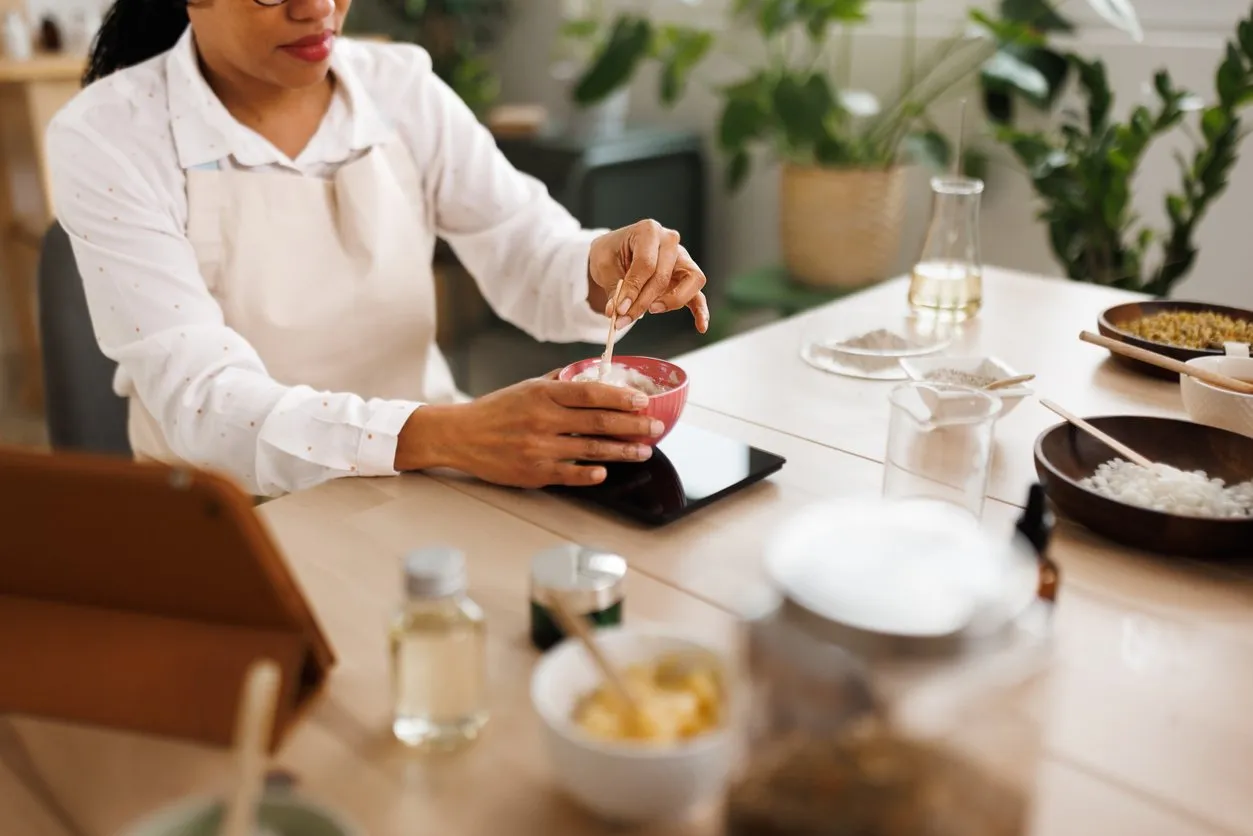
(947, 281)
(890, 672)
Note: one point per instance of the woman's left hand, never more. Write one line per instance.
(656, 271)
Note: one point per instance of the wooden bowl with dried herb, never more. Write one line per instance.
(1182, 330)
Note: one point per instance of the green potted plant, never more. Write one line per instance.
(457, 34)
(600, 55)
(1084, 171)
(842, 188)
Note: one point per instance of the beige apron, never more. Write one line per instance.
(329, 280)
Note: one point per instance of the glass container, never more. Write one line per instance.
(891, 670)
(947, 281)
(940, 442)
(439, 655)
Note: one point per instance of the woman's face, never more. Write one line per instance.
(287, 45)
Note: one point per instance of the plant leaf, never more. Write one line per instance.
(583, 29)
(629, 42)
(1121, 15)
(803, 108)
(743, 120)
(679, 49)
(1230, 77)
(1010, 71)
(1095, 84)
(975, 164)
(1038, 14)
(929, 148)
(737, 170)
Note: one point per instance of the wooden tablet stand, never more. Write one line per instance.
(135, 596)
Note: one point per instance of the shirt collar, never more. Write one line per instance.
(205, 132)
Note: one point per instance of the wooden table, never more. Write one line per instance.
(31, 92)
(1146, 719)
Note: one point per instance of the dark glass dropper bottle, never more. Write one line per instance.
(1036, 525)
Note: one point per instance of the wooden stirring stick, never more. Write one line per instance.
(606, 359)
(1222, 381)
(1106, 439)
(572, 625)
(1006, 382)
(254, 724)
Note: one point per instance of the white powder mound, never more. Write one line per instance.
(621, 376)
(1173, 491)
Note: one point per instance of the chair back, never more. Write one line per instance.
(83, 412)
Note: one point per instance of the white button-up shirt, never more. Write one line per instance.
(118, 154)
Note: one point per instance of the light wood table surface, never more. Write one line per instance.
(1145, 714)
(1031, 323)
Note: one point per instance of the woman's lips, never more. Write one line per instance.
(314, 49)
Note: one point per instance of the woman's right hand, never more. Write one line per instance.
(530, 435)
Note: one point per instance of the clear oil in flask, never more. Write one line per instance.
(947, 281)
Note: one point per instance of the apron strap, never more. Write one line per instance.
(204, 226)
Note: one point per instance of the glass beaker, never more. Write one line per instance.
(940, 444)
(947, 281)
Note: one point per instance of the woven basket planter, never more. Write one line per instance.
(841, 227)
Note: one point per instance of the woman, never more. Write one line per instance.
(253, 205)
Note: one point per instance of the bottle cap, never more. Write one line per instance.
(435, 572)
(589, 580)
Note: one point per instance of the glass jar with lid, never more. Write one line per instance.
(890, 668)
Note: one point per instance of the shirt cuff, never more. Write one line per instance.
(376, 452)
(585, 324)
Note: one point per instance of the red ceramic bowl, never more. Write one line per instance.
(666, 407)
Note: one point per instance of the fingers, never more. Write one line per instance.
(570, 448)
(686, 283)
(595, 396)
(699, 306)
(644, 242)
(602, 422)
(668, 255)
(576, 475)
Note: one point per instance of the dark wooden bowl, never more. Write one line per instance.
(1114, 319)
(1064, 455)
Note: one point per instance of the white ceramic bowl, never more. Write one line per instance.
(1216, 407)
(919, 367)
(626, 783)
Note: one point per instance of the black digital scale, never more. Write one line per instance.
(689, 469)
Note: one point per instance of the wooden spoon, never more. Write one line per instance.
(1005, 383)
(1106, 439)
(572, 625)
(606, 359)
(254, 725)
(1222, 381)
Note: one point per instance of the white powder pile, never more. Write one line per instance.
(960, 378)
(1174, 491)
(621, 376)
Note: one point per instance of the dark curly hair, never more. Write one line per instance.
(134, 31)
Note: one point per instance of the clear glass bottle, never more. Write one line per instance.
(947, 281)
(438, 654)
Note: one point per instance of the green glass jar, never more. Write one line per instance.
(590, 583)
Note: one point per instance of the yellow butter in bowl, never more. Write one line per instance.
(677, 700)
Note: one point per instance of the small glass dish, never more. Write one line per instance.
(872, 355)
(919, 370)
